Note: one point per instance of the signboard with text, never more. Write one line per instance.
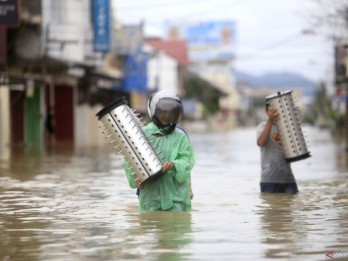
(9, 12)
(101, 25)
(135, 73)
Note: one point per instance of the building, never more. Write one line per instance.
(167, 64)
(60, 70)
(211, 50)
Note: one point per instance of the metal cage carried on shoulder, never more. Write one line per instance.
(289, 126)
(123, 130)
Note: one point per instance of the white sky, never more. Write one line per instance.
(269, 32)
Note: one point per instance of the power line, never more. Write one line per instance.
(275, 45)
(283, 56)
(209, 9)
(158, 5)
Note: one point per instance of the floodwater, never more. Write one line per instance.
(77, 206)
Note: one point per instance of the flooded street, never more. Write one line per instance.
(78, 206)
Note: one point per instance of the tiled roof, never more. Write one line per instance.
(177, 49)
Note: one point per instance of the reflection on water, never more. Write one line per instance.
(160, 235)
(77, 205)
(308, 224)
(278, 224)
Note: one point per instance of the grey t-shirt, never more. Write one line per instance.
(274, 168)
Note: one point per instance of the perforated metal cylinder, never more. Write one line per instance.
(123, 131)
(289, 126)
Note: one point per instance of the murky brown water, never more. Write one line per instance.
(77, 206)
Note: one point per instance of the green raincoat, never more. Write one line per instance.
(170, 191)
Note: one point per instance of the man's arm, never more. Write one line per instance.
(272, 116)
(262, 139)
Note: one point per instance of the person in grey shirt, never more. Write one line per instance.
(276, 173)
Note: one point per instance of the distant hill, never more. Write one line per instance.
(280, 81)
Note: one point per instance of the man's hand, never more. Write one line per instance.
(138, 183)
(168, 166)
(276, 138)
(273, 114)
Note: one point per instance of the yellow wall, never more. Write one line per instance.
(4, 121)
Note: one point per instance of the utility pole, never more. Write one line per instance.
(346, 98)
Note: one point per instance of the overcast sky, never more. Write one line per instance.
(269, 34)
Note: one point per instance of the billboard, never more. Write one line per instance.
(206, 40)
(101, 25)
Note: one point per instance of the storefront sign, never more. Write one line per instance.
(101, 25)
(9, 12)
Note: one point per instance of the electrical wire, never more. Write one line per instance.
(275, 45)
(202, 11)
(158, 5)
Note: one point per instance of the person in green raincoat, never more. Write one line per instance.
(171, 191)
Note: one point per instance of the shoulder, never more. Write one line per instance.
(181, 131)
(149, 126)
(261, 126)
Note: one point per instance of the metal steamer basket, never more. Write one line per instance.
(123, 131)
(289, 126)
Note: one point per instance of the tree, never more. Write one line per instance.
(201, 90)
(322, 112)
(332, 17)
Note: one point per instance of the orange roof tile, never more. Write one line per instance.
(177, 49)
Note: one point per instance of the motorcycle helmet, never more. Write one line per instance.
(165, 109)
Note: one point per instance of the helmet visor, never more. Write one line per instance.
(168, 111)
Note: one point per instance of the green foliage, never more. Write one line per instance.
(201, 90)
(322, 112)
